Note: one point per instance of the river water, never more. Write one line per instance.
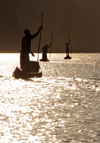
(61, 106)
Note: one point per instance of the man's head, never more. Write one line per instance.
(27, 32)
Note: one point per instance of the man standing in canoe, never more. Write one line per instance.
(26, 48)
(44, 52)
(67, 49)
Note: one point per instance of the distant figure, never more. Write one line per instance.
(26, 48)
(44, 52)
(67, 49)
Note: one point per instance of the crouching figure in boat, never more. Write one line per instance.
(27, 68)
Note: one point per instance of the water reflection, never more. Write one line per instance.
(52, 108)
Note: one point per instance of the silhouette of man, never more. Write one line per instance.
(44, 52)
(26, 48)
(67, 49)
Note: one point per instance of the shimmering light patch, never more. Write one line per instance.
(72, 106)
(79, 130)
(68, 115)
(78, 79)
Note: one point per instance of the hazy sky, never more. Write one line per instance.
(80, 17)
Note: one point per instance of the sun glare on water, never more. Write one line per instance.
(58, 107)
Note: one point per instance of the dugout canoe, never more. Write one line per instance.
(67, 57)
(18, 73)
(34, 71)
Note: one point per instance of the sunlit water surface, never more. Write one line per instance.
(61, 106)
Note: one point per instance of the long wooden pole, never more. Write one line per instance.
(40, 36)
(51, 45)
(70, 42)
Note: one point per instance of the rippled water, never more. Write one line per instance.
(62, 106)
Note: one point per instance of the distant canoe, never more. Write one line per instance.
(44, 60)
(67, 57)
(34, 71)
